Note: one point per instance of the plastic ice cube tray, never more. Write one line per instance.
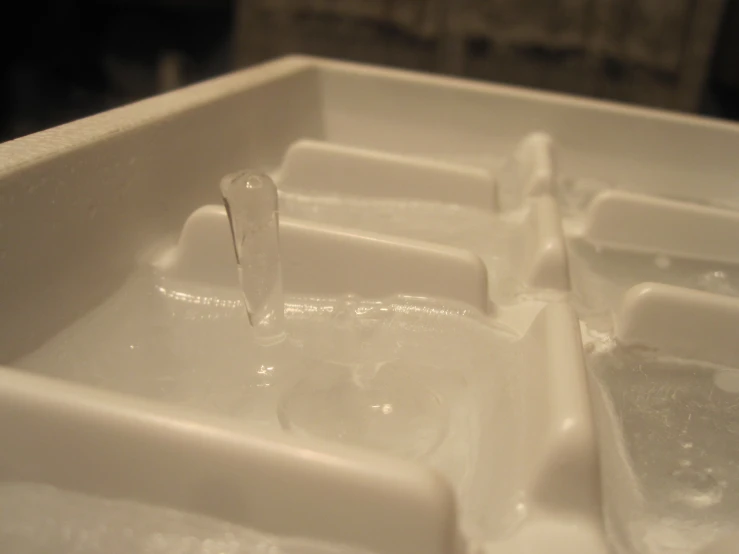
(84, 204)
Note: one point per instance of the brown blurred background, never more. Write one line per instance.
(65, 59)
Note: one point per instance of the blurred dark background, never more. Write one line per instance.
(66, 59)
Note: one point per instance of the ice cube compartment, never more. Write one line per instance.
(399, 184)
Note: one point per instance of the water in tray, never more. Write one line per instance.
(669, 449)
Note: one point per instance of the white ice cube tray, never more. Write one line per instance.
(84, 204)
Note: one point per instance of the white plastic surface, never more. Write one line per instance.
(637, 222)
(336, 169)
(86, 205)
(680, 322)
(534, 247)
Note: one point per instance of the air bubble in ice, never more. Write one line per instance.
(716, 282)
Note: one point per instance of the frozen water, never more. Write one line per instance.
(251, 204)
(718, 282)
(487, 234)
(192, 345)
(37, 518)
(669, 450)
(361, 392)
(395, 412)
(601, 276)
